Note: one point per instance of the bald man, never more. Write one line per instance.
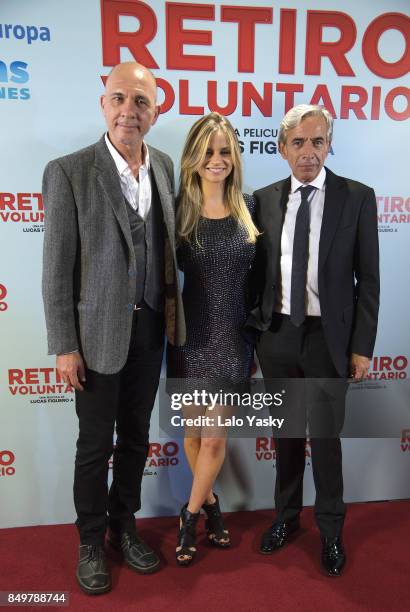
(110, 290)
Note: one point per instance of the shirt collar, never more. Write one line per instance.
(120, 162)
(318, 182)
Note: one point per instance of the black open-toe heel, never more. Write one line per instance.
(214, 525)
(187, 536)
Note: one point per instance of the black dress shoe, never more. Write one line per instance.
(333, 556)
(137, 554)
(92, 573)
(277, 536)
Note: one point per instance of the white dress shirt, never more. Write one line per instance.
(138, 193)
(316, 204)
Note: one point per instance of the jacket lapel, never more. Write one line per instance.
(165, 195)
(276, 197)
(174, 311)
(335, 197)
(107, 177)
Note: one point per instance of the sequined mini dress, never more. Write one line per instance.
(216, 276)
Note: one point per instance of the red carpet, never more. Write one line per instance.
(377, 576)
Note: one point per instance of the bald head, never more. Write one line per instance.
(129, 104)
(127, 72)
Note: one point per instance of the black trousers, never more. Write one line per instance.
(287, 351)
(123, 400)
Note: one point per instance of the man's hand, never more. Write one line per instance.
(359, 366)
(71, 369)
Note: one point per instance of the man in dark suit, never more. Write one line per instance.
(317, 305)
(110, 289)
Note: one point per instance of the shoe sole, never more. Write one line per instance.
(96, 591)
(216, 544)
(184, 563)
(290, 537)
(149, 570)
(329, 575)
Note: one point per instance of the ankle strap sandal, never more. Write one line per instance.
(186, 548)
(214, 525)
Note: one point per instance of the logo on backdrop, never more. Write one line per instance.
(159, 455)
(260, 141)
(134, 25)
(25, 210)
(388, 368)
(265, 450)
(7, 458)
(39, 385)
(26, 33)
(393, 212)
(12, 76)
(3, 294)
(382, 369)
(405, 440)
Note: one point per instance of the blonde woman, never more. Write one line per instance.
(216, 238)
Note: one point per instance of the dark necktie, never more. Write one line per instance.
(300, 258)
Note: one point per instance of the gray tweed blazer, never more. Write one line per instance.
(89, 262)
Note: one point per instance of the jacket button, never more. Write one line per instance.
(131, 273)
(130, 307)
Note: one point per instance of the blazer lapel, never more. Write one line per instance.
(107, 176)
(174, 310)
(276, 197)
(335, 197)
(165, 194)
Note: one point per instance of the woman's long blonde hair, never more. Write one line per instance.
(190, 197)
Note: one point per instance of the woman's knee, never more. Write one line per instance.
(213, 446)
